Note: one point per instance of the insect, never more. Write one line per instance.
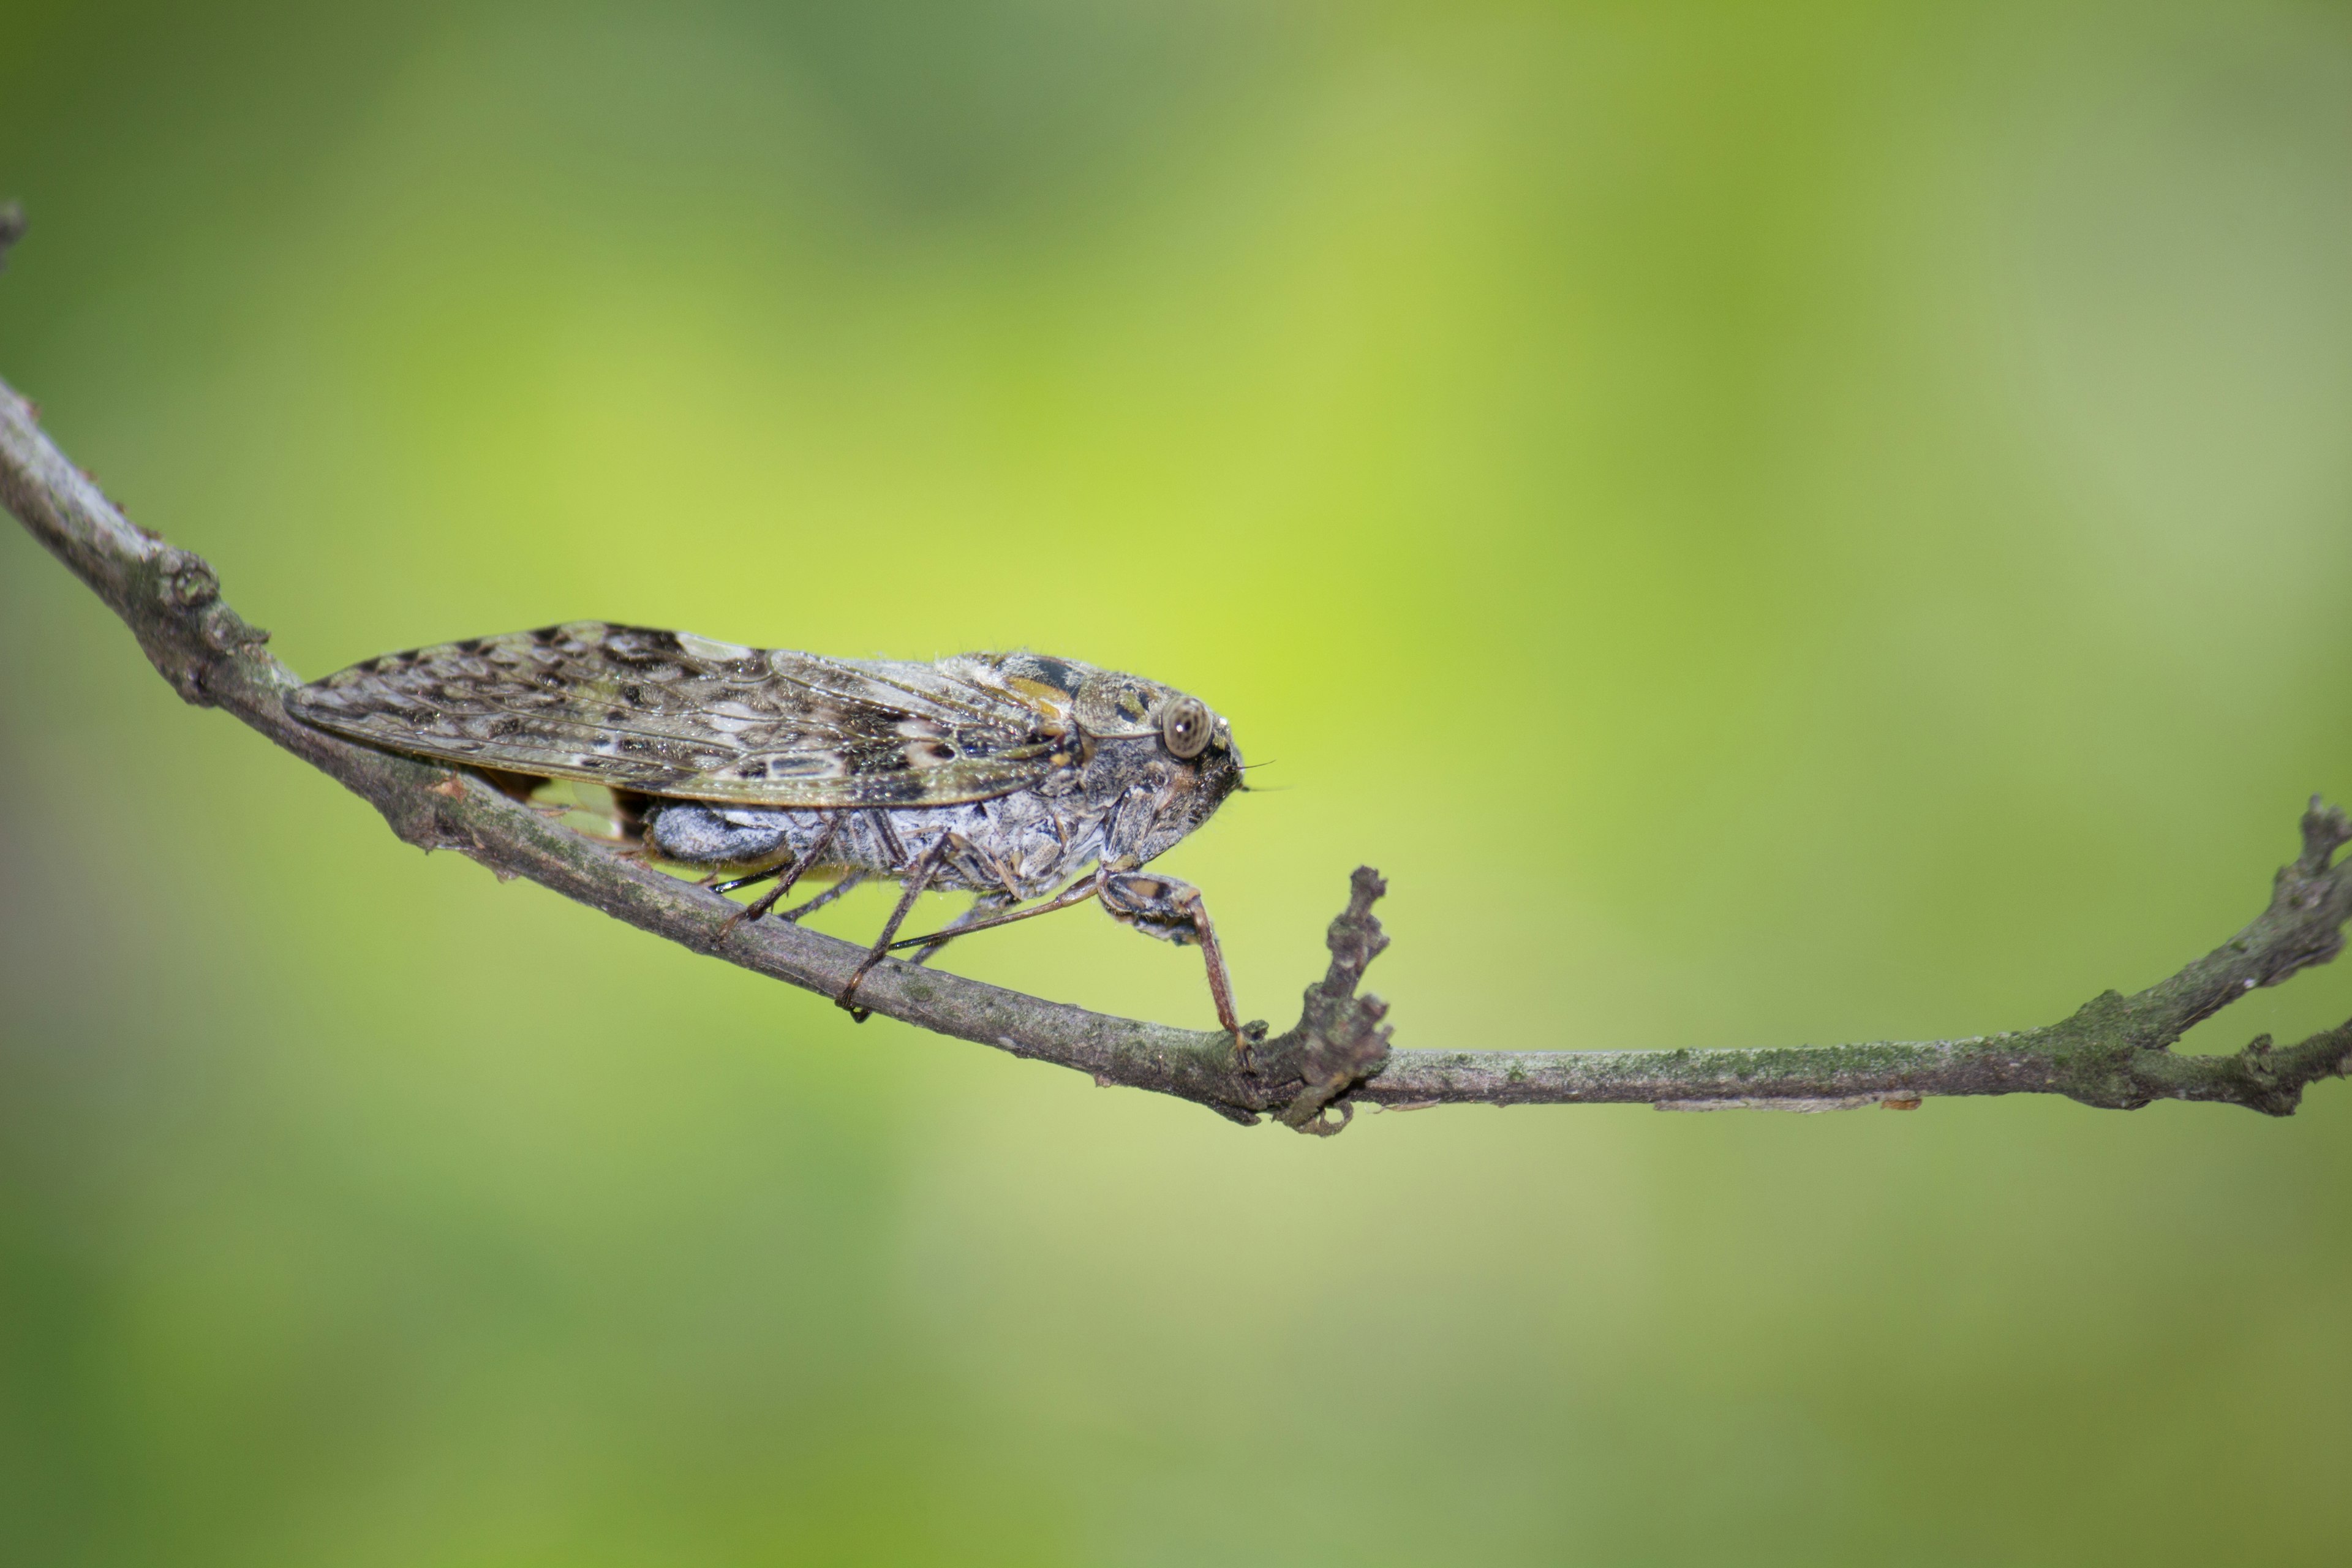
(1014, 776)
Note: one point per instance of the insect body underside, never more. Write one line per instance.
(1012, 847)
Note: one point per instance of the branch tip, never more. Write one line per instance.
(2325, 829)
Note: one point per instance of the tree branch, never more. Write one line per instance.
(2114, 1052)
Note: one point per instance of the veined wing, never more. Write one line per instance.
(671, 713)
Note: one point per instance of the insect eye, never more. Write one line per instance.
(1185, 726)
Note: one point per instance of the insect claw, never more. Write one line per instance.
(918, 874)
(1247, 1040)
(846, 1001)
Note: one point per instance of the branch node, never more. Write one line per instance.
(187, 582)
(427, 817)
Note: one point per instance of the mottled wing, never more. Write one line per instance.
(670, 713)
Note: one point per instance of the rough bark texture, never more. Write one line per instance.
(2116, 1051)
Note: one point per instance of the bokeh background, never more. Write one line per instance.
(1768, 523)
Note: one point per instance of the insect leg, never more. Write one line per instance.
(918, 876)
(1078, 892)
(719, 882)
(1175, 911)
(894, 853)
(792, 915)
(788, 867)
(986, 904)
(785, 876)
(1221, 983)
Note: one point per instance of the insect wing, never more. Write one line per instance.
(674, 714)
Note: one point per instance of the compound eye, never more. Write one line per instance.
(1185, 726)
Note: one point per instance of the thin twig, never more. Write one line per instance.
(2116, 1051)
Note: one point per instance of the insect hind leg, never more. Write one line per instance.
(792, 915)
(786, 875)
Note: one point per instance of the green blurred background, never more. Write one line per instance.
(1769, 524)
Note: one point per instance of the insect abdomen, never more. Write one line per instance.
(697, 834)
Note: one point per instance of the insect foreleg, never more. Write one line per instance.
(1175, 911)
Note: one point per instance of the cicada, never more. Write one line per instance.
(1014, 776)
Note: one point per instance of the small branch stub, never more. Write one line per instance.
(1340, 1039)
